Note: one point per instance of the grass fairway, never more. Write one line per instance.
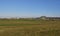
(29, 28)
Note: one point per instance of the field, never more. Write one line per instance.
(29, 27)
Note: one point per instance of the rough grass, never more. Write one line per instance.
(29, 28)
(29, 32)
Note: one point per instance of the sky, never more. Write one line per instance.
(29, 8)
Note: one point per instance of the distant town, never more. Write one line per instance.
(42, 17)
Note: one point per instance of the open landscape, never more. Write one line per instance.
(29, 17)
(18, 27)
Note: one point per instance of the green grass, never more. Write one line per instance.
(29, 28)
(29, 32)
(18, 24)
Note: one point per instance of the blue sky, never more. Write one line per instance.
(29, 8)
